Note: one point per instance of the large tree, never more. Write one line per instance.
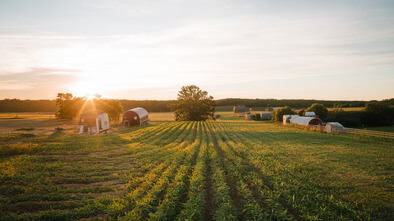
(68, 106)
(193, 104)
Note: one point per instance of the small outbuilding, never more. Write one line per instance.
(93, 122)
(287, 118)
(334, 127)
(265, 116)
(310, 114)
(136, 116)
(240, 111)
(306, 121)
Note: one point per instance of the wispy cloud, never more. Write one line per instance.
(36, 81)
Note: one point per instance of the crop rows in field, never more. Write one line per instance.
(229, 170)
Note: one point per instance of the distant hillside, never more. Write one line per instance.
(16, 105)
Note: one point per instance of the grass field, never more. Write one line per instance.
(385, 129)
(230, 169)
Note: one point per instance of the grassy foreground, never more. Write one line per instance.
(230, 169)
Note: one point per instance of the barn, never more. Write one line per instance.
(93, 122)
(136, 116)
(306, 121)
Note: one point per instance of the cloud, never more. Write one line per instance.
(36, 82)
(218, 47)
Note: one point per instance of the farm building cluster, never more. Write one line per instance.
(241, 111)
(314, 122)
(310, 119)
(94, 122)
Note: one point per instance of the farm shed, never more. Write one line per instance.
(240, 109)
(310, 114)
(287, 118)
(334, 127)
(306, 121)
(136, 116)
(93, 122)
(265, 116)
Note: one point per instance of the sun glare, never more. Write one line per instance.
(90, 96)
(85, 89)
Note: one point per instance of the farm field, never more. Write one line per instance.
(229, 169)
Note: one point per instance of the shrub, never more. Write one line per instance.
(277, 115)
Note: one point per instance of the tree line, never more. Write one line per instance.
(17, 105)
(294, 103)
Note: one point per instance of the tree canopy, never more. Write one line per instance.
(193, 104)
(319, 109)
(277, 115)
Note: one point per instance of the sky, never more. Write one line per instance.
(125, 49)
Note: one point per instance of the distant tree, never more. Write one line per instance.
(378, 113)
(67, 106)
(338, 107)
(301, 112)
(377, 107)
(193, 104)
(277, 115)
(319, 109)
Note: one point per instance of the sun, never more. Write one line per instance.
(89, 97)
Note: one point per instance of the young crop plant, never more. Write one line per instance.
(194, 206)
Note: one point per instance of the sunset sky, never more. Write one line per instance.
(336, 50)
